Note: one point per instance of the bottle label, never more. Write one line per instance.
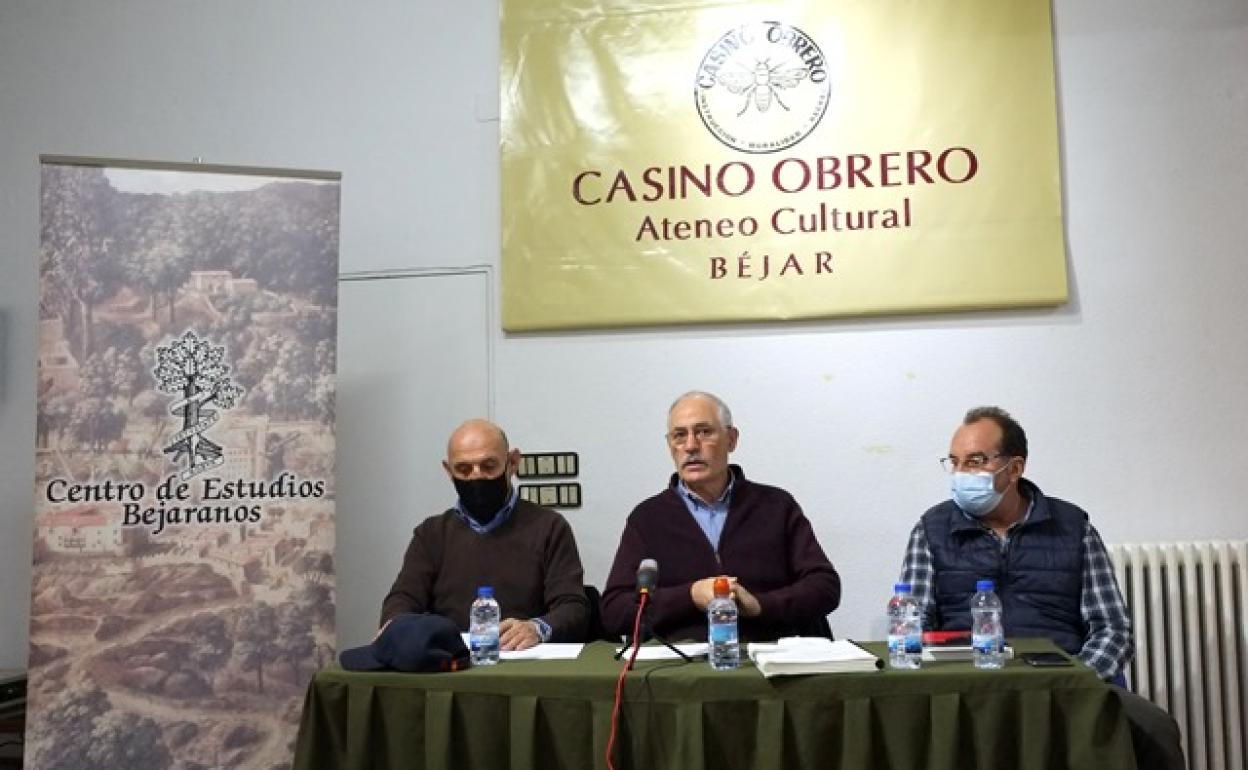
(478, 642)
(914, 644)
(896, 642)
(723, 633)
(985, 644)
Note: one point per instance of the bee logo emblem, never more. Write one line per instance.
(762, 87)
(763, 84)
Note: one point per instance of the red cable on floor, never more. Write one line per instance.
(619, 683)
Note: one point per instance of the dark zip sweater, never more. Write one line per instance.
(767, 544)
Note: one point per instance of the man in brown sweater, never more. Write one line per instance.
(491, 537)
(712, 521)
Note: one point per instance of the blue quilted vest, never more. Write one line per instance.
(1038, 575)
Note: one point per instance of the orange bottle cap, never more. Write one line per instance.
(721, 587)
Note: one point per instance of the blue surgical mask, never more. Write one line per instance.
(976, 493)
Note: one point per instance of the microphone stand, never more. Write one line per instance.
(643, 605)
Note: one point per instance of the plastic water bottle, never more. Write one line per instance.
(483, 619)
(905, 629)
(987, 631)
(721, 616)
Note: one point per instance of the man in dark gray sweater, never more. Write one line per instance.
(491, 537)
(713, 521)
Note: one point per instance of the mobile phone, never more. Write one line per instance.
(1046, 659)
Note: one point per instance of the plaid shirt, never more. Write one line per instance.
(1108, 646)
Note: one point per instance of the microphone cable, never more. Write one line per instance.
(619, 683)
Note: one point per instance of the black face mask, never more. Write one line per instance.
(483, 499)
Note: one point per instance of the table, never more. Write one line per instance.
(545, 715)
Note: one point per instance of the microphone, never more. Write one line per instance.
(647, 579)
(647, 576)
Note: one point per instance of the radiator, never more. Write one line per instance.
(1191, 635)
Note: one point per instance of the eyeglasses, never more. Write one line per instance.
(703, 434)
(976, 461)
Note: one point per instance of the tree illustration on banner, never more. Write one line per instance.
(195, 369)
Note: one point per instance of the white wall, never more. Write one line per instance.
(1130, 392)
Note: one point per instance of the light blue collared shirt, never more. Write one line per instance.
(709, 517)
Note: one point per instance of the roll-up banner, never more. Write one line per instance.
(183, 580)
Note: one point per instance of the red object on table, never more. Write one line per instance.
(952, 638)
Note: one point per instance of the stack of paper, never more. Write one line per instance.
(811, 655)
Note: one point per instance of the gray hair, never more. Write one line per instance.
(725, 414)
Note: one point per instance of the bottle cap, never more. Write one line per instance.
(485, 592)
(721, 586)
(984, 585)
(901, 588)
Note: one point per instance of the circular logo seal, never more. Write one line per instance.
(762, 87)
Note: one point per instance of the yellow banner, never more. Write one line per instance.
(683, 162)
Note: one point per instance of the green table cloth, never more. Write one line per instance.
(545, 715)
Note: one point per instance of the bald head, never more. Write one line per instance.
(475, 432)
(478, 449)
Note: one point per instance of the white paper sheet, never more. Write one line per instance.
(956, 652)
(545, 651)
(660, 652)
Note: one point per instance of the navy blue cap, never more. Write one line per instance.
(412, 641)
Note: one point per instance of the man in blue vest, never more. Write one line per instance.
(1051, 570)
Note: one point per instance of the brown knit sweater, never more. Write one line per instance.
(531, 561)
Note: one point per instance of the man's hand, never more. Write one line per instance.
(516, 634)
(701, 592)
(745, 600)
